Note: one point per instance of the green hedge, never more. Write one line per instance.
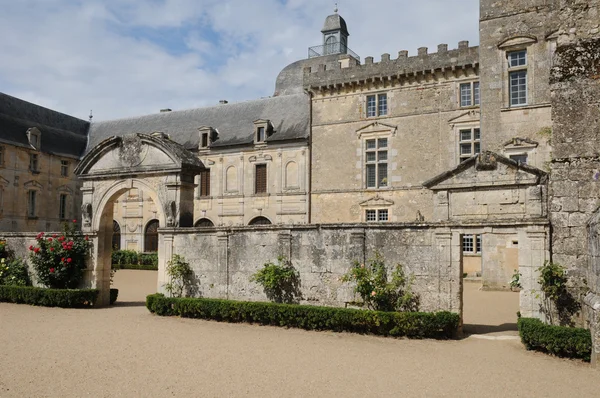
(557, 340)
(114, 294)
(66, 298)
(129, 259)
(397, 324)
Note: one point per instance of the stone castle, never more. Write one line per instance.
(478, 160)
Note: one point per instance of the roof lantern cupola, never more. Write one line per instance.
(335, 38)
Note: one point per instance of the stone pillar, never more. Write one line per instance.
(223, 263)
(591, 304)
(449, 288)
(165, 253)
(532, 255)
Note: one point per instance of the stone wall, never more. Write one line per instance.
(224, 261)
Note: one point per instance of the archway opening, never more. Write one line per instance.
(151, 237)
(116, 237)
(204, 223)
(260, 220)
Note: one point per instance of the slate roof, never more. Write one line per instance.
(62, 134)
(335, 22)
(234, 122)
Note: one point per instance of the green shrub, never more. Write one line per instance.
(557, 340)
(14, 272)
(379, 293)
(179, 273)
(66, 298)
(59, 260)
(129, 259)
(114, 294)
(281, 282)
(139, 267)
(396, 324)
(554, 282)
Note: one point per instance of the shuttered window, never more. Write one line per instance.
(260, 185)
(205, 182)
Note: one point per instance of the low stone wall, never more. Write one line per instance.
(224, 261)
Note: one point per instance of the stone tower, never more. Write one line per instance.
(335, 35)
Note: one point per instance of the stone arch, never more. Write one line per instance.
(204, 223)
(260, 220)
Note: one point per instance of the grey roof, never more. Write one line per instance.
(234, 122)
(62, 134)
(335, 22)
(291, 78)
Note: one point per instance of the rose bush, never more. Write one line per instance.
(59, 259)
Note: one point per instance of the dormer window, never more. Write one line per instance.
(262, 130)
(207, 137)
(34, 136)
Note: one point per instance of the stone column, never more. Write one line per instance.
(223, 263)
(591, 304)
(449, 291)
(532, 255)
(165, 254)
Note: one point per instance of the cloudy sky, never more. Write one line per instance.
(124, 58)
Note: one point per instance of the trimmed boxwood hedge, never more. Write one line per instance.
(557, 340)
(129, 259)
(114, 294)
(65, 298)
(440, 325)
(137, 266)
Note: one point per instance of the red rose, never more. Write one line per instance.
(54, 236)
(51, 270)
(69, 260)
(62, 259)
(30, 247)
(49, 239)
(37, 249)
(74, 220)
(86, 238)
(51, 249)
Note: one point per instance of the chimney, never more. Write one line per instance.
(223, 102)
(165, 110)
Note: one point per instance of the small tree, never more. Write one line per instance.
(59, 260)
(281, 281)
(179, 273)
(558, 300)
(376, 289)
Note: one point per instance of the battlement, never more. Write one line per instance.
(387, 69)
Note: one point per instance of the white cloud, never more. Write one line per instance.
(127, 57)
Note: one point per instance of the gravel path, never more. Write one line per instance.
(123, 351)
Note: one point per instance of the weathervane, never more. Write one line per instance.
(91, 116)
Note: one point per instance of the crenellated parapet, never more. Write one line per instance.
(442, 62)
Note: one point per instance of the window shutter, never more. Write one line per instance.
(261, 178)
(205, 183)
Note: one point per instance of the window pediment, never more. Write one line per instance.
(65, 188)
(208, 135)
(520, 143)
(472, 116)
(33, 184)
(517, 41)
(376, 127)
(260, 158)
(263, 129)
(376, 201)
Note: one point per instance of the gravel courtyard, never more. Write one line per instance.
(124, 351)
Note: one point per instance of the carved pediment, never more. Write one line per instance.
(33, 184)
(377, 201)
(487, 169)
(472, 116)
(520, 143)
(65, 188)
(517, 41)
(376, 127)
(260, 158)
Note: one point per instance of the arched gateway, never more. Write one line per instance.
(161, 167)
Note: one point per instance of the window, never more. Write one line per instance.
(260, 220)
(260, 134)
(31, 203)
(376, 157)
(116, 236)
(380, 215)
(260, 182)
(521, 158)
(1, 156)
(64, 168)
(204, 142)
(469, 143)
(205, 183)
(62, 207)
(151, 237)
(377, 105)
(469, 94)
(33, 162)
(471, 244)
(517, 77)
(204, 223)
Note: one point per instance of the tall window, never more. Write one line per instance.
(380, 215)
(204, 143)
(151, 237)
(471, 244)
(260, 134)
(31, 203)
(62, 206)
(376, 157)
(377, 105)
(469, 143)
(205, 183)
(469, 94)
(260, 182)
(33, 162)
(64, 168)
(517, 77)
(116, 236)
(1, 156)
